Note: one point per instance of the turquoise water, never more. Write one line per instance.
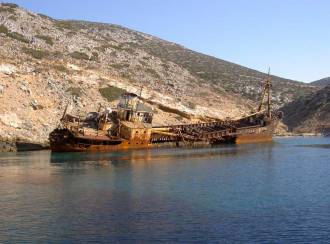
(263, 193)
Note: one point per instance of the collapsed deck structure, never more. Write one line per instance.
(129, 126)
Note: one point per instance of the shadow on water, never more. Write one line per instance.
(326, 146)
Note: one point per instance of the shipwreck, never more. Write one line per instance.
(129, 126)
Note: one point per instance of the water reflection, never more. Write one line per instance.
(43, 163)
(121, 158)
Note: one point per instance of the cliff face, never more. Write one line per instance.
(310, 113)
(47, 63)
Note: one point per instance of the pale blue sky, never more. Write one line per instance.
(290, 36)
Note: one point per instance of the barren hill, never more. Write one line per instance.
(322, 82)
(46, 63)
(310, 113)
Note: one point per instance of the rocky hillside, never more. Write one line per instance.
(47, 63)
(323, 82)
(310, 113)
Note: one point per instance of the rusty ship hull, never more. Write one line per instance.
(64, 140)
(129, 126)
(262, 134)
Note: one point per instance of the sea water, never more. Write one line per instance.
(259, 193)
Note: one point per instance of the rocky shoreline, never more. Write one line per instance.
(7, 146)
(19, 146)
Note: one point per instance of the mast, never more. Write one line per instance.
(269, 94)
(262, 98)
(65, 110)
(266, 90)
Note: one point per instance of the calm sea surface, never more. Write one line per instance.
(261, 193)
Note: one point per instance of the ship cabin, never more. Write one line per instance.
(135, 119)
(131, 109)
(127, 125)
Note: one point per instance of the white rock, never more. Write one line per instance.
(73, 67)
(7, 69)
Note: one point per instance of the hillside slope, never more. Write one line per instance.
(222, 75)
(321, 82)
(310, 113)
(46, 63)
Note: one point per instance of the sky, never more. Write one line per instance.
(292, 37)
